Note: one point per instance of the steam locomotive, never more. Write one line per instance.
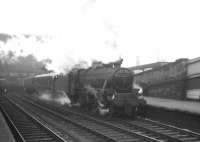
(103, 88)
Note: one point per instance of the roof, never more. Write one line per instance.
(152, 65)
(46, 75)
(194, 60)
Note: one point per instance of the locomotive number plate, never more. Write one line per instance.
(123, 73)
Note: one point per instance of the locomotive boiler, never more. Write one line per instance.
(105, 87)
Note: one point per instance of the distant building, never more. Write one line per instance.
(145, 67)
(176, 80)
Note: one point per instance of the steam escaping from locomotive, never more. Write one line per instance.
(97, 97)
(137, 86)
(59, 97)
(63, 99)
(45, 96)
(91, 90)
(32, 44)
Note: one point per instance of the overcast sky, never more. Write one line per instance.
(74, 30)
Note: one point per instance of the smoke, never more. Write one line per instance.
(98, 98)
(92, 91)
(22, 49)
(5, 37)
(66, 51)
(22, 44)
(81, 64)
(88, 4)
(71, 65)
(59, 97)
(137, 86)
(12, 63)
(45, 96)
(71, 40)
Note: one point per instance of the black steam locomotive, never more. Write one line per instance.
(101, 88)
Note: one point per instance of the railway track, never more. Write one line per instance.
(157, 130)
(85, 134)
(145, 127)
(182, 134)
(24, 126)
(104, 130)
(153, 129)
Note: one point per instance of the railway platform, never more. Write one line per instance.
(192, 107)
(5, 133)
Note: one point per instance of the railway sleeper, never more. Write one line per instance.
(163, 131)
(37, 136)
(179, 135)
(171, 133)
(189, 139)
(41, 139)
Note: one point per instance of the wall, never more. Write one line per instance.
(173, 90)
(193, 67)
(193, 79)
(167, 81)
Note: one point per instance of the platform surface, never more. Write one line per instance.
(5, 133)
(186, 106)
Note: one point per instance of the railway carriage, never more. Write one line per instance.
(44, 82)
